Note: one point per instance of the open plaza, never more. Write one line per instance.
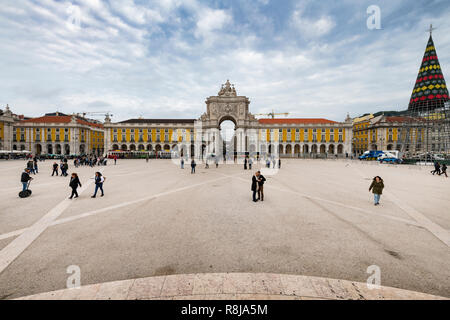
(156, 219)
(225, 150)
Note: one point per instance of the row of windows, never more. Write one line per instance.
(184, 130)
(141, 130)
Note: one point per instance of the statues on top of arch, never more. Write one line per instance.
(227, 90)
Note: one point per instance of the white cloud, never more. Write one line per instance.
(136, 13)
(310, 28)
(133, 67)
(210, 20)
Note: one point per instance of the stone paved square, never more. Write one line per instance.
(318, 219)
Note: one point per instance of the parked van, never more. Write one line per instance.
(371, 155)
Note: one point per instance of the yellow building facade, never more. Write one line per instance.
(388, 133)
(201, 137)
(59, 134)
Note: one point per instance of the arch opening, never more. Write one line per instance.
(227, 128)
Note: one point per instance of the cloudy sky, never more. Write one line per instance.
(162, 58)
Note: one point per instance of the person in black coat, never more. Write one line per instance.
(437, 168)
(261, 180)
(444, 170)
(74, 183)
(25, 178)
(30, 166)
(55, 169)
(245, 163)
(255, 179)
(193, 165)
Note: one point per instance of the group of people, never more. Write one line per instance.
(64, 166)
(257, 186)
(440, 170)
(32, 165)
(75, 182)
(273, 162)
(91, 161)
(194, 164)
(99, 179)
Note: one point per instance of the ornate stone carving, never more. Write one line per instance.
(214, 109)
(228, 109)
(227, 90)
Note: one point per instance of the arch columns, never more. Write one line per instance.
(240, 134)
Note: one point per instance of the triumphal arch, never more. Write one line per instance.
(227, 105)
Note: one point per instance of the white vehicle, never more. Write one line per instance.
(395, 153)
(390, 156)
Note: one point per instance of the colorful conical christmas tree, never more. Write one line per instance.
(430, 91)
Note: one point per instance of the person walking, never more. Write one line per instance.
(30, 166)
(99, 180)
(182, 163)
(245, 163)
(147, 158)
(377, 187)
(74, 183)
(261, 180)
(255, 186)
(437, 168)
(193, 165)
(35, 160)
(216, 160)
(206, 164)
(55, 169)
(64, 168)
(115, 160)
(279, 163)
(250, 162)
(444, 170)
(25, 178)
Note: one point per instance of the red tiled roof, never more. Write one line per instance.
(396, 119)
(61, 119)
(296, 121)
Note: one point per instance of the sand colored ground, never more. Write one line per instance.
(318, 219)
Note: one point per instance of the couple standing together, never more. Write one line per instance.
(258, 186)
